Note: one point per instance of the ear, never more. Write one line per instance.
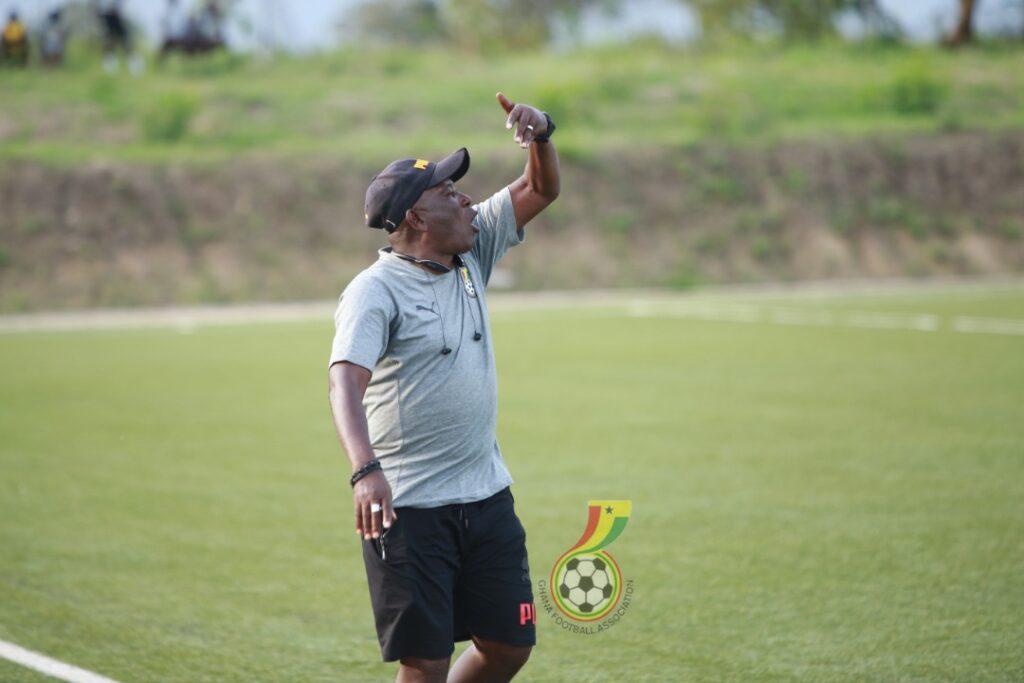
(415, 221)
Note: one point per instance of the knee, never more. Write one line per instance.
(509, 657)
(417, 670)
(517, 656)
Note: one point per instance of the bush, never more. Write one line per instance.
(756, 220)
(686, 276)
(107, 93)
(721, 187)
(795, 181)
(764, 249)
(917, 90)
(731, 115)
(397, 62)
(714, 245)
(169, 117)
(843, 219)
(1011, 228)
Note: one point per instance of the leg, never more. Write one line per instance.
(488, 661)
(494, 596)
(417, 670)
(411, 572)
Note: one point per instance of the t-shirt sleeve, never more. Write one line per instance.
(496, 220)
(362, 324)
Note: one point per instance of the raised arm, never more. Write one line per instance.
(539, 185)
(348, 383)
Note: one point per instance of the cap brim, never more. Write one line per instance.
(452, 167)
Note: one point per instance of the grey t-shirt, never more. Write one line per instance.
(432, 416)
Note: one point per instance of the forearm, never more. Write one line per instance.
(354, 434)
(350, 420)
(534, 191)
(371, 492)
(542, 174)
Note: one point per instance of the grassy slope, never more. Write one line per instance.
(289, 144)
(355, 104)
(810, 504)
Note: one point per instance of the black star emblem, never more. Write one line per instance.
(608, 510)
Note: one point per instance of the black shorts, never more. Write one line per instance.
(443, 574)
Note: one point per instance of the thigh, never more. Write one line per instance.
(411, 571)
(494, 593)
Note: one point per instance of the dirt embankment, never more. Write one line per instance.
(117, 235)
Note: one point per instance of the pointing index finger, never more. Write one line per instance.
(505, 103)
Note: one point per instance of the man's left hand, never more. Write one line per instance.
(529, 122)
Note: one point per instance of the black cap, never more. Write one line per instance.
(394, 190)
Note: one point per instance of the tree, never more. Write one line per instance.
(485, 25)
(395, 21)
(963, 33)
(792, 19)
(479, 25)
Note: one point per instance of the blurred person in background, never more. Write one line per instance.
(173, 26)
(117, 38)
(210, 24)
(192, 33)
(14, 45)
(52, 38)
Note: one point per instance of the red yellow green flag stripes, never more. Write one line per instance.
(605, 521)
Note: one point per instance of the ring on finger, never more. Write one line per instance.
(374, 507)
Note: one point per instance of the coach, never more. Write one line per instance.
(413, 392)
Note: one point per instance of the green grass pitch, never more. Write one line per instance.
(818, 495)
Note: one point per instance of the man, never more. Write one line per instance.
(117, 38)
(173, 26)
(413, 392)
(14, 44)
(51, 39)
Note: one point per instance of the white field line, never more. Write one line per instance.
(710, 305)
(183, 319)
(774, 315)
(988, 325)
(48, 666)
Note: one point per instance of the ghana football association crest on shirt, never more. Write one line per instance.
(467, 280)
(586, 592)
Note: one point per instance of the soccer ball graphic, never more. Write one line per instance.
(587, 583)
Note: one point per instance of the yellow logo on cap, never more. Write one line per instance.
(421, 164)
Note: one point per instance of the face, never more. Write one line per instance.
(448, 215)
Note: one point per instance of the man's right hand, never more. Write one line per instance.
(374, 511)
(371, 495)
